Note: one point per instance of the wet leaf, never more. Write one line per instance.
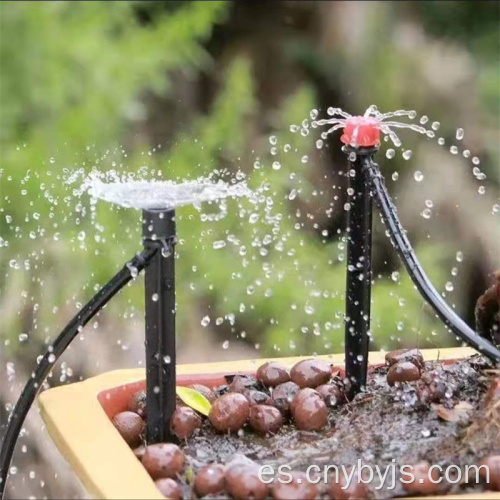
(194, 400)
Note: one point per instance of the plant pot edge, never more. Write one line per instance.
(81, 430)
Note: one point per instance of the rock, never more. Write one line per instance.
(272, 374)
(309, 411)
(265, 419)
(137, 404)
(311, 373)
(257, 397)
(242, 483)
(331, 394)
(421, 483)
(205, 391)
(355, 491)
(493, 464)
(284, 394)
(184, 422)
(169, 489)
(210, 480)
(130, 425)
(298, 489)
(492, 395)
(163, 460)
(229, 412)
(403, 371)
(241, 383)
(411, 355)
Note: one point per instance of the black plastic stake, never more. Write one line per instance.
(159, 232)
(358, 281)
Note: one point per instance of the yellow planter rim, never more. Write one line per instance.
(107, 468)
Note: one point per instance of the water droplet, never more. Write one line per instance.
(155, 297)
(418, 176)
(319, 143)
(276, 165)
(304, 159)
(309, 309)
(435, 125)
(52, 160)
(347, 207)
(441, 141)
(466, 153)
(395, 176)
(407, 154)
(225, 344)
(352, 156)
(481, 190)
(219, 244)
(424, 119)
(23, 337)
(395, 276)
(429, 203)
(476, 160)
(205, 321)
(453, 150)
(459, 134)
(426, 213)
(448, 286)
(459, 256)
(313, 114)
(390, 153)
(273, 140)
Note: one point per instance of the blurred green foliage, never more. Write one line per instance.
(75, 81)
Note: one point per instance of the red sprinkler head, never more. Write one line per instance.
(361, 131)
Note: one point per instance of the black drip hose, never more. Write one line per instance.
(23, 405)
(417, 274)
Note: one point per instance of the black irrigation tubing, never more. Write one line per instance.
(28, 395)
(417, 274)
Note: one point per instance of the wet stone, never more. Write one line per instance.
(210, 480)
(492, 462)
(243, 482)
(163, 460)
(169, 489)
(284, 394)
(338, 490)
(331, 394)
(411, 355)
(137, 403)
(258, 398)
(309, 410)
(229, 412)
(265, 419)
(130, 425)
(241, 383)
(272, 374)
(421, 483)
(311, 373)
(299, 488)
(205, 391)
(184, 422)
(403, 371)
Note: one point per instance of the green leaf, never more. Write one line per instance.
(194, 399)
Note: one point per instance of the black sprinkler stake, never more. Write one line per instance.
(159, 232)
(358, 276)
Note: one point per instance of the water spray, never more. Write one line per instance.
(361, 138)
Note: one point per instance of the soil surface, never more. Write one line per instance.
(383, 426)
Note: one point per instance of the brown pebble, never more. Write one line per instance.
(404, 371)
(422, 484)
(311, 373)
(331, 394)
(184, 422)
(257, 397)
(265, 419)
(356, 489)
(137, 404)
(241, 383)
(204, 391)
(243, 482)
(169, 489)
(411, 355)
(163, 460)
(130, 426)
(139, 451)
(210, 480)
(272, 374)
(309, 411)
(299, 488)
(493, 464)
(284, 394)
(229, 412)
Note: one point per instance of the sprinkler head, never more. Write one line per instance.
(361, 131)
